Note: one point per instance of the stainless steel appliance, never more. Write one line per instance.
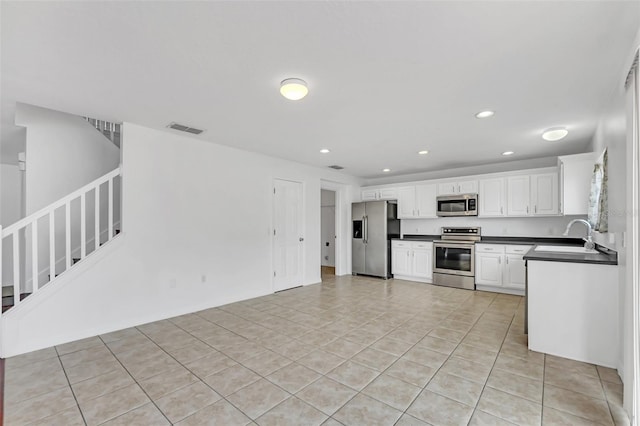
(374, 224)
(457, 205)
(454, 257)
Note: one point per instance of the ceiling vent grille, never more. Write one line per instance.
(336, 167)
(183, 128)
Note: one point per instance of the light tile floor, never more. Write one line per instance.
(351, 351)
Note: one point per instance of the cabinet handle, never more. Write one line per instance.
(413, 212)
(500, 261)
(488, 249)
(527, 209)
(458, 188)
(535, 209)
(501, 210)
(507, 259)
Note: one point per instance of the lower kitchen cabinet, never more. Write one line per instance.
(412, 260)
(500, 268)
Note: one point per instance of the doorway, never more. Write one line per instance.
(288, 239)
(327, 234)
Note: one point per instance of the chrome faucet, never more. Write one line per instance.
(589, 244)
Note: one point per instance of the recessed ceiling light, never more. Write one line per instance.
(484, 114)
(386, 170)
(508, 153)
(293, 89)
(424, 152)
(324, 151)
(554, 134)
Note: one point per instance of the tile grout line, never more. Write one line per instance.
(606, 397)
(136, 382)
(70, 387)
(199, 378)
(445, 361)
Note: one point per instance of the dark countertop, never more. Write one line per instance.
(532, 240)
(604, 257)
(419, 238)
(504, 240)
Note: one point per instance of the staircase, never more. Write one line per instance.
(48, 243)
(112, 131)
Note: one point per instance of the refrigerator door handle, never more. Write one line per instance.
(365, 229)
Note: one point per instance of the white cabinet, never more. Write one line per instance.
(544, 194)
(489, 259)
(515, 273)
(458, 187)
(533, 195)
(575, 182)
(422, 261)
(501, 268)
(518, 198)
(406, 202)
(574, 311)
(417, 202)
(492, 197)
(426, 205)
(412, 260)
(379, 194)
(401, 259)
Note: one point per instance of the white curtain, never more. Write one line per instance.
(599, 198)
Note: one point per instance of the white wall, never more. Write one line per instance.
(613, 133)
(506, 226)
(10, 194)
(328, 227)
(63, 153)
(190, 208)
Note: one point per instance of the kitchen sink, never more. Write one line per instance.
(566, 249)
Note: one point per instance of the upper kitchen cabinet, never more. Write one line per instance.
(492, 197)
(417, 202)
(379, 194)
(575, 182)
(459, 187)
(533, 195)
(544, 194)
(518, 196)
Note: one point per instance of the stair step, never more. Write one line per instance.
(7, 301)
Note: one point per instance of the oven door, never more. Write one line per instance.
(454, 258)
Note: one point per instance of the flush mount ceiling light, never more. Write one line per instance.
(386, 170)
(508, 153)
(484, 114)
(554, 134)
(423, 152)
(324, 151)
(293, 89)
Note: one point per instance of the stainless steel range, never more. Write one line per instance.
(453, 257)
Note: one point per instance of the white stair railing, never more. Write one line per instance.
(26, 230)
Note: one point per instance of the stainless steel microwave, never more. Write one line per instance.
(458, 205)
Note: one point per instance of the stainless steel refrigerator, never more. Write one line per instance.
(374, 224)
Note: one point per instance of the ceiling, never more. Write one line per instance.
(386, 79)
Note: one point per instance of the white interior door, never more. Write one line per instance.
(288, 240)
